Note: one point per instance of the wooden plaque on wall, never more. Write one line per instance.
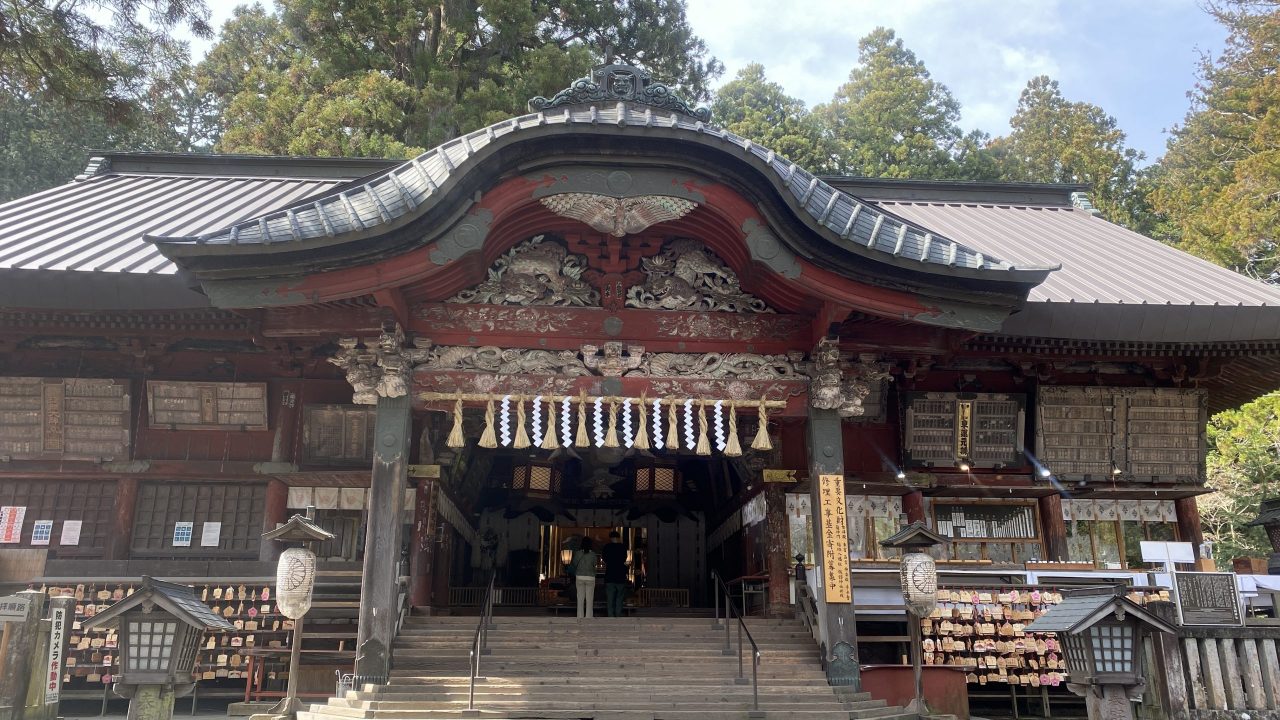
(338, 434)
(207, 405)
(987, 429)
(1145, 433)
(71, 418)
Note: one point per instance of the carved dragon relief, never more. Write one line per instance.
(688, 276)
(538, 271)
(613, 359)
(381, 368)
(841, 387)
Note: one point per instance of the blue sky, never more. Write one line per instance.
(1135, 58)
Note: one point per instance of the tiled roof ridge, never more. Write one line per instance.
(859, 225)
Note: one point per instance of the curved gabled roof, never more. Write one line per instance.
(391, 198)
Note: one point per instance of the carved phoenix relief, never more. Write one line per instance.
(619, 216)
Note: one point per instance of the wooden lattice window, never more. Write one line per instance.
(338, 434)
(948, 429)
(536, 478)
(161, 505)
(207, 405)
(1001, 533)
(72, 418)
(91, 503)
(1098, 433)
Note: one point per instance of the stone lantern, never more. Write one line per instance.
(1101, 634)
(1269, 519)
(159, 627)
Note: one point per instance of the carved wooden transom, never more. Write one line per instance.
(614, 272)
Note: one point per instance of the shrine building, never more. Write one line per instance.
(605, 315)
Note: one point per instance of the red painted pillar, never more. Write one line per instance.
(1053, 528)
(275, 514)
(423, 543)
(913, 507)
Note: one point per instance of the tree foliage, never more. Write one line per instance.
(1244, 469)
(1059, 141)
(1219, 183)
(393, 77)
(892, 119)
(101, 74)
(752, 106)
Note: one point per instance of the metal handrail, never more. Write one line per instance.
(480, 642)
(742, 628)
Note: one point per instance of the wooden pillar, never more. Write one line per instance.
(1189, 528)
(777, 538)
(122, 525)
(275, 514)
(423, 543)
(836, 620)
(913, 507)
(379, 583)
(1053, 527)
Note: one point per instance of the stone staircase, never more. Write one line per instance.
(642, 668)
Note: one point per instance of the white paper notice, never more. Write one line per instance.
(11, 523)
(71, 532)
(210, 534)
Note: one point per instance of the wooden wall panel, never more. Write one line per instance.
(69, 418)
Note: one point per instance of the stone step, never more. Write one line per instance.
(416, 684)
(604, 693)
(558, 683)
(664, 714)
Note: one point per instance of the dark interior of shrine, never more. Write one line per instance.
(534, 508)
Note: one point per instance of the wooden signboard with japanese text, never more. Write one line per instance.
(835, 538)
(1206, 598)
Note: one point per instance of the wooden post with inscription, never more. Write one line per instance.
(836, 620)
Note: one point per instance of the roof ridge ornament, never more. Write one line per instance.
(620, 82)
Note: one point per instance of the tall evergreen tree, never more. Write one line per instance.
(892, 119)
(392, 77)
(1217, 186)
(752, 106)
(1056, 140)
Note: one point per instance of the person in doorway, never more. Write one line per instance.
(615, 574)
(584, 573)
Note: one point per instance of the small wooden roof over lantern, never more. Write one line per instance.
(916, 537)
(1100, 632)
(299, 529)
(160, 626)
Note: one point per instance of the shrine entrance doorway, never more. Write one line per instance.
(534, 510)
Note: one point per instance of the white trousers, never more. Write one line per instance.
(586, 596)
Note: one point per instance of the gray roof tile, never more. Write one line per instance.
(387, 197)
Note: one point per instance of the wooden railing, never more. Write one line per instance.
(537, 597)
(1205, 671)
(509, 597)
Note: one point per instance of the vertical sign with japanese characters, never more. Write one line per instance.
(964, 429)
(53, 672)
(835, 538)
